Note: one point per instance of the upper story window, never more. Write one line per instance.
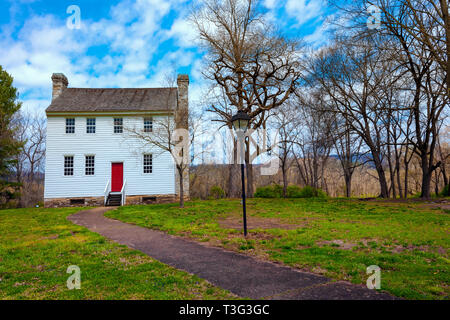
(70, 125)
(90, 165)
(68, 165)
(118, 125)
(90, 125)
(148, 124)
(148, 163)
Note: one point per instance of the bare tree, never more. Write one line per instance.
(167, 137)
(415, 35)
(443, 155)
(216, 97)
(257, 68)
(313, 142)
(173, 132)
(351, 75)
(348, 146)
(34, 149)
(29, 165)
(286, 123)
(423, 21)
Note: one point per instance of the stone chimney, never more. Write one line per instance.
(182, 101)
(60, 82)
(181, 120)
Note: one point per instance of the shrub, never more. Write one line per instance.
(217, 192)
(445, 191)
(271, 191)
(310, 192)
(293, 191)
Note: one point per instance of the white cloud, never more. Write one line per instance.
(319, 36)
(184, 32)
(129, 38)
(119, 50)
(270, 4)
(304, 10)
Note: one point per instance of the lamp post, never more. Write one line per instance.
(240, 123)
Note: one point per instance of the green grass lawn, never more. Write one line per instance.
(336, 237)
(38, 245)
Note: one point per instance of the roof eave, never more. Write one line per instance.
(109, 113)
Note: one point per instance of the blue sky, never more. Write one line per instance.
(121, 43)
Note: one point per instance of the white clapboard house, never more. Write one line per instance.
(90, 158)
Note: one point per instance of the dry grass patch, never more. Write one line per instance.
(375, 244)
(236, 223)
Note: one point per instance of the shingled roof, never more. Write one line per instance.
(106, 100)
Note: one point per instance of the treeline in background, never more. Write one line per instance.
(364, 115)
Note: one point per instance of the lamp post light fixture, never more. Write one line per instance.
(240, 122)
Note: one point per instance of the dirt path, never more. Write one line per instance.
(240, 274)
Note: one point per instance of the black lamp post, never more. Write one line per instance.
(240, 123)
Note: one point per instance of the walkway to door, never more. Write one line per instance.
(240, 274)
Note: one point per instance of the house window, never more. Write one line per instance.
(90, 125)
(90, 165)
(148, 163)
(70, 125)
(68, 165)
(118, 125)
(148, 124)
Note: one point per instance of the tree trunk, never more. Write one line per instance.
(397, 169)
(444, 176)
(436, 182)
(348, 184)
(283, 169)
(232, 173)
(426, 181)
(406, 181)
(446, 184)
(446, 18)
(427, 172)
(250, 190)
(249, 170)
(391, 168)
(180, 173)
(384, 192)
(406, 166)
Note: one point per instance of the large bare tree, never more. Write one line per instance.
(417, 36)
(256, 67)
(351, 75)
(424, 21)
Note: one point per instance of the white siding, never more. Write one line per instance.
(107, 147)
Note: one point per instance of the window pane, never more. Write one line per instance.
(148, 163)
(70, 125)
(68, 166)
(148, 124)
(90, 125)
(90, 165)
(118, 125)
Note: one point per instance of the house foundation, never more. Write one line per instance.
(99, 201)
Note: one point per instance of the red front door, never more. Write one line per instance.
(116, 177)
